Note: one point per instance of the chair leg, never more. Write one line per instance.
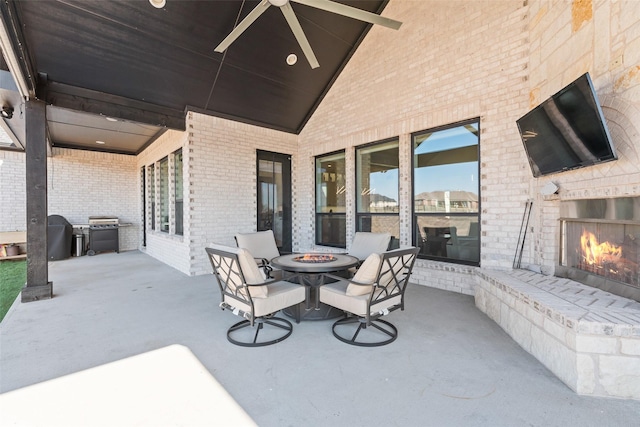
(235, 336)
(347, 323)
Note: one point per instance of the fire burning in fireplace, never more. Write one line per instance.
(600, 244)
(608, 259)
(598, 253)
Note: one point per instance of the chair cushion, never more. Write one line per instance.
(365, 243)
(253, 275)
(281, 295)
(261, 244)
(250, 270)
(367, 273)
(334, 294)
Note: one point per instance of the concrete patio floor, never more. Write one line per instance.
(450, 366)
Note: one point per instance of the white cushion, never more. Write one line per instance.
(281, 295)
(365, 243)
(367, 273)
(252, 274)
(334, 294)
(261, 244)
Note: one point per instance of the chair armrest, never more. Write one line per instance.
(272, 280)
(333, 276)
(263, 263)
(266, 282)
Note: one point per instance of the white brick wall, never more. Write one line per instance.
(450, 61)
(80, 184)
(569, 39)
(222, 180)
(13, 198)
(220, 192)
(171, 249)
(456, 60)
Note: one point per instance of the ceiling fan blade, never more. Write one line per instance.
(351, 12)
(290, 16)
(243, 25)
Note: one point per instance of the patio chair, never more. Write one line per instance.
(247, 293)
(262, 245)
(366, 243)
(376, 290)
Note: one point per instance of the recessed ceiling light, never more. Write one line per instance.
(6, 112)
(100, 142)
(111, 119)
(159, 4)
(292, 59)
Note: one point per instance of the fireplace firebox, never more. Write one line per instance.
(600, 244)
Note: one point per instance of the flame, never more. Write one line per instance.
(594, 252)
(316, 258)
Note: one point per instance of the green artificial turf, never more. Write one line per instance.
(13, 276)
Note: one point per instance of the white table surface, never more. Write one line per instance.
(165, 387)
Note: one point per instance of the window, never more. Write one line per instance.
(446, 193)
(331, 219)
(152, 195)
(177, 166)
(165, 188)
(377, 183)
(163, 171)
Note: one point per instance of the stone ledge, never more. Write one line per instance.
(574, 330)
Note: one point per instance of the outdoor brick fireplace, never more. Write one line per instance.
(600, 244)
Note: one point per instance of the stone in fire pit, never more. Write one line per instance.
(315, 258)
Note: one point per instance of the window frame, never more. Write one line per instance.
(321, 215)
(415, 215)
(360, 215)
(178, 204)
(152, 194)
(164, 190)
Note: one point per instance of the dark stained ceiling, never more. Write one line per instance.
(145, 67)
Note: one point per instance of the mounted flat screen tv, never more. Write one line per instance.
(567, 131)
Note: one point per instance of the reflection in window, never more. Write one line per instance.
(330, 200)
(164, 194)
(177, 163)
(377, 185)
(446, 193)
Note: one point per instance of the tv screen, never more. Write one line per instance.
(567, 131)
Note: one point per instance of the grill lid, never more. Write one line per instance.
(103, 220)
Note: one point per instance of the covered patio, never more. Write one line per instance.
(451, 365)
(190, 172)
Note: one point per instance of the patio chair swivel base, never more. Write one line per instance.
(273, 329)
(379, 332)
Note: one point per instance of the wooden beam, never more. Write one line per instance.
(15, 49)
(101, 103)
(38, 286)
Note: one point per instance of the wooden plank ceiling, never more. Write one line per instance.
(144, 67)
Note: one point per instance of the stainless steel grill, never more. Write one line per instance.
(103, 234)
(97, 222)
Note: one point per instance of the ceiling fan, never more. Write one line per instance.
(292, 20)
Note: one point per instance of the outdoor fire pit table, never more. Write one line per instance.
(311, 268)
